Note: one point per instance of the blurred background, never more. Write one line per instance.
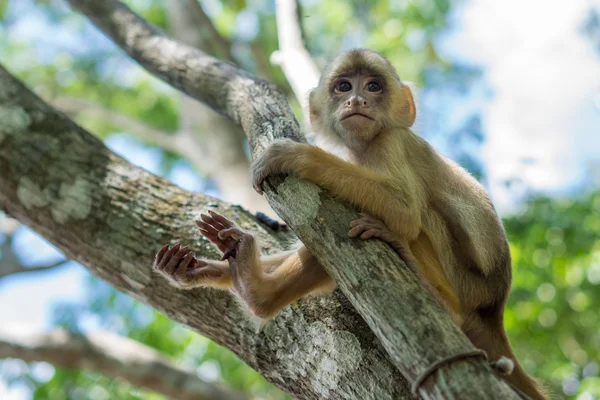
(509, 89)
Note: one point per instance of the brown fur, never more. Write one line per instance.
(440, 219)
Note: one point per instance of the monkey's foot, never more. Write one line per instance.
(183, 270)
(368, 227)
(241, 253)
(223, 233)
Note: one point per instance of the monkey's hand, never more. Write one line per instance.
(274, 160)
(183, 270)
(368, 227)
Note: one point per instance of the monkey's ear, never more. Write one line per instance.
(313, 111)
(408, 111)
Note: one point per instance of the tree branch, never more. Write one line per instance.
(297, 64)
(410, 324)
(7, 269)
(10, 264)
(113, 356)
(74, 106)
(222, 150)
(111, 216)
(230, 91)
(208, 37)
(182, 142)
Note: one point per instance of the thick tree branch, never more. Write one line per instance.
(297, 64)
(249, 102)
(411, 326)
(113, 356)
(217, 143)
(111, 216)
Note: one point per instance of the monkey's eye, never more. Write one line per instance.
(373, 86)
(344, 86)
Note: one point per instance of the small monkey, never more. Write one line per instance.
(436, 216)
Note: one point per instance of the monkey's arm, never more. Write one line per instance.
(376, 195)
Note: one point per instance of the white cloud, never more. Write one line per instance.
(542, 123)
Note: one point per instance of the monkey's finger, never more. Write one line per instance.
(206, 227)
(213, 237)
(221, 219)
(357, 230)
(363, 224)
(355, 222)
(165, 260)
(372, 220)
(363, 220)
(369, 234)
(183, 265)
(368, 217)
(207, 234)
(222, 245)
(174, 261)
(231, 233)
(368, 220)
(161, 253)
(209, 220)
(257, 184)
(360, 228)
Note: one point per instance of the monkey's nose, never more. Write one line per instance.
(356, 101)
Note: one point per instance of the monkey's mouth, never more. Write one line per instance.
(357, 114)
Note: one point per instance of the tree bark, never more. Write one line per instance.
(89, 193)
(111, 216)
(113, 356)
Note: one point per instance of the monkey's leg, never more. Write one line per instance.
(368, 227)
(267, 284)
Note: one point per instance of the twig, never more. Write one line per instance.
(113, 356)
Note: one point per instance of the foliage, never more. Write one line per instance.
(553, 316)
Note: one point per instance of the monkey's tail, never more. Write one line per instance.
(519, 378)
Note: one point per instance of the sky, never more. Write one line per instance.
(542, 125)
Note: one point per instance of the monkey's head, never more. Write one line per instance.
(359, 97)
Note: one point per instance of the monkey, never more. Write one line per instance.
(427, 208)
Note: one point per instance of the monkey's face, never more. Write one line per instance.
(359, 97)
(357, 101)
